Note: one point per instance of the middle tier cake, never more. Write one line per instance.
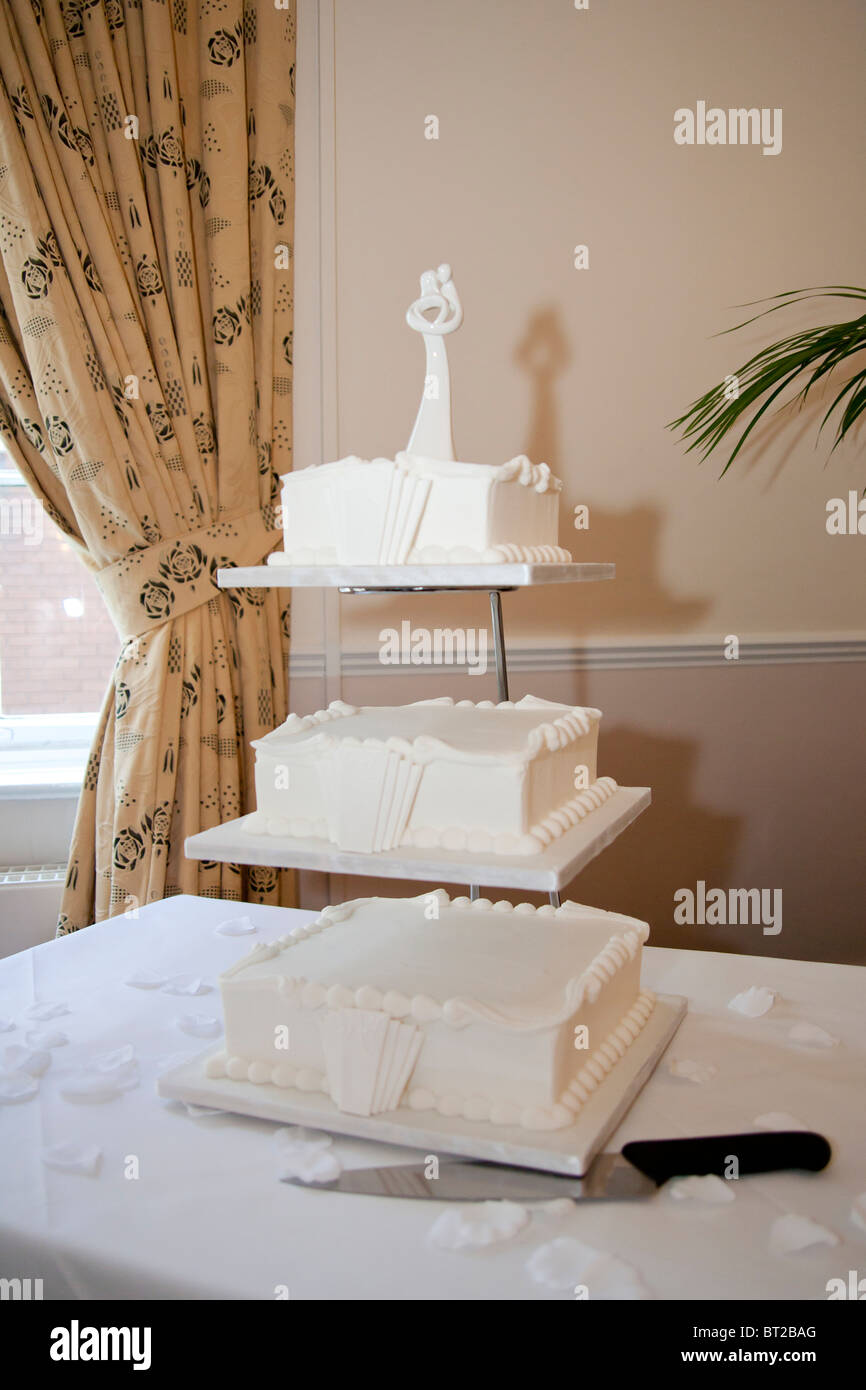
(506, 778)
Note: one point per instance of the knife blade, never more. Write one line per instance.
(638, 1171)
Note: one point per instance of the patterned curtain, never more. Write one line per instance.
(146, 196)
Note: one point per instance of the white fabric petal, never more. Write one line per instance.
(113, 1061)
(145, 979)
(778, 1120)
(566, 1263)
(15, 1086)
(858, 1211)
(90, 1087)
(69, 1157)
(235, 926)
(199, 1025)
(41, 1013)
(792, 1233)
(46, 1037)
(311, 1164)
(708, 1188)
(297, 1136)
(185, 984)
(753, 1002)
(812, 1036)
(687, 1070)
(476, 1224)
(31, 1060)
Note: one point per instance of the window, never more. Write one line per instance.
(57, 646)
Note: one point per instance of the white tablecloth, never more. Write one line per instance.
(207, 1218)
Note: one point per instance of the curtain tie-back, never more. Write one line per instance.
(150, 586)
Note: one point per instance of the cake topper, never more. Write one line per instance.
(431, 436)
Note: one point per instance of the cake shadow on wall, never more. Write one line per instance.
(630, 539)
(626, 877)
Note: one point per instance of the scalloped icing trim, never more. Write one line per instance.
(458, 1011)
(537, 838)
(516, 470)
(506, 553)
(552, 734)
(564, 1112)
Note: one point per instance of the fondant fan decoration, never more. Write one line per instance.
(369, 1059)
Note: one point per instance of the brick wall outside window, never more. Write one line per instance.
(50, 663)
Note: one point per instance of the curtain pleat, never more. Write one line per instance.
(146, 195)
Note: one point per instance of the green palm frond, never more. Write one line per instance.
(815, 354)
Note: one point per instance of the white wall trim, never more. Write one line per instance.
(778, 651)
(316, 386)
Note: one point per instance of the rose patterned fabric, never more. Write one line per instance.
(146, 194)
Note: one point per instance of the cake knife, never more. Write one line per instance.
(637, 1171)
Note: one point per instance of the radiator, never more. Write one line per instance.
(29, 904)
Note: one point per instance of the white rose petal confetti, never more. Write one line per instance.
(115, 1060)
(236, 926)
(6, 1025)
(561, 1263)
(477, 1224)
(858, 1211)
(15, 1086)
(311, 1164)
(174, 1059)
(28, 1059)
(185, 984)
(41, 1013)
(570, 1264)
(778, 1120)
(812, 1036)
(200, 1025)
(46, 1037)
(145, 979)
(69, 1157)
(90, 1088)
(753, 1002)
(105, 1077)
(792, 1233)
(297, 1136)
(708, 1188)
(687, 1070)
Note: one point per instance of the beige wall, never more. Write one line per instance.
(556, 128)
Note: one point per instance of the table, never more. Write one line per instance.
(205, 1217)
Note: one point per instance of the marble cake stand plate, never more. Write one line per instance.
(279, 574)
(546, 872)
(569, 1150)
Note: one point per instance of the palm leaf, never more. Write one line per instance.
(809, 356)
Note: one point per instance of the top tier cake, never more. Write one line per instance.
(424, 506)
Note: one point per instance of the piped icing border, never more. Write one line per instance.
(537, 838)
(460, 1010)
(518, 470)
(549, 734)
(479, 1108)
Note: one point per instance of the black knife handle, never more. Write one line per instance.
(661, 1159)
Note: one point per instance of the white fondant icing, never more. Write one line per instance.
(481, 777)
(413, 509)
(501, 1050)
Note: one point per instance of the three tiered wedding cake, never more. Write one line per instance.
(500, 1015)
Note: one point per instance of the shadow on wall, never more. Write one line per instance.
(630, 539)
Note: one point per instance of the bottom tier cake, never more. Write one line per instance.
(509, 1015)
